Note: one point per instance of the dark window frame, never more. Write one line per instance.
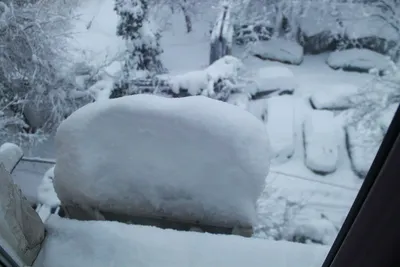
(371, 232)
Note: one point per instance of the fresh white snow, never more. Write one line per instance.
(321, 141)
(335, 96)
(192, 158)
(10, 155)
(358, 59)
(279, 50)
(280, 125)
(99, 243)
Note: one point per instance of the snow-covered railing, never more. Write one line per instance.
(222, 35)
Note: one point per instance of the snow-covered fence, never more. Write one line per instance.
(222, 35)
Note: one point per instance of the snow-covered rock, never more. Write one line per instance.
(279, 50)
(336, 96)
(275, 78)
(314, 230)
(104, 244)
(280, 125)
(190, 158)
(321, 141)
(46, 193)
(363, 141)
(10, 155)
(362, 60)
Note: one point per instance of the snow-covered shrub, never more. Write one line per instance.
(34, 82)
(142, 41)
(189, 158)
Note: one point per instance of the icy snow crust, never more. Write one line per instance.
(189, 158)
(98, 243)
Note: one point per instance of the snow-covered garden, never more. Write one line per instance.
(308, 102)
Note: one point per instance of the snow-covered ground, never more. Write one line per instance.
(318, 198)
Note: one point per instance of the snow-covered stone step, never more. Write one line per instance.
(280, 125)
(335, 97)
(321, 141)
(363, 142)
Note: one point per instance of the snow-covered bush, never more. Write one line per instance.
(142, 40)
(189, 158)
(34, 80)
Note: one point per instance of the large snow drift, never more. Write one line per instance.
(280, 125)
(99, 243)
(337, 96)
(362, 60)
(321, 141)
(279, 50)
(189, 158)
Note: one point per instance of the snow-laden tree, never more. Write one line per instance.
(34, 80)
(142, 41)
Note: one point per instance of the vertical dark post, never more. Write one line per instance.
(221, 36)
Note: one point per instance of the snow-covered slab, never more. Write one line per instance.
(10, 155)
(335, 97)
(98, 243)
(362, 60)
(275, 78)
(279, 50)
(190, 158)
(321, 141)
(363, 141)
(280, 125)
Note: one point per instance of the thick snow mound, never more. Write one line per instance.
(275, 78)
(314, 230)
(321, 141)
(46, 192)
(104, 244)
(280, 125)
(189, 158)
(279, 50)
(10, 155)
(335, 97)
(362, 60)
(239, 99)
(363, 141)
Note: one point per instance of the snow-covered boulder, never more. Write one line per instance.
(335, 97)
(363, 141)
(279, 50)
(277, 78)
(361, 60)
(10, 155)
(321, 141)
(190, 158)
(280, 125)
